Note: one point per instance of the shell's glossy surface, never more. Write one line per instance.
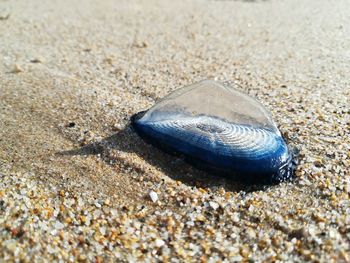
(219, 128)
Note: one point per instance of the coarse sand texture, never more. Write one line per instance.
(78, 184)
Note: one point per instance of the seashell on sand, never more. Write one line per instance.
(220, 129)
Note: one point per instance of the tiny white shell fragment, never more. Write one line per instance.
(214, 205)
(154, 196)
(159, 243)
(59, 225)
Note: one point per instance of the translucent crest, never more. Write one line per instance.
(210, 98)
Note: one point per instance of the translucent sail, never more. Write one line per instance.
(210, 98)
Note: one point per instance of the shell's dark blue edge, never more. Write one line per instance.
(248, 171)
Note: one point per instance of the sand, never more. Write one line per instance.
(76, 180)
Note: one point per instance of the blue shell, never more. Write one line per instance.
(251, 153)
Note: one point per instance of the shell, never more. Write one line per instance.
(219, 128)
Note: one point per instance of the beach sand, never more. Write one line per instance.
(76, 180)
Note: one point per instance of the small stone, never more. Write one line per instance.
(16, 69)
(214, 205)
(159, 243)
(347, 187)
(12, 245)
(5, 16)
(251, 233)
(71, 124)
(235, 217)
(244, 251)
(154, 196)
(142, 44)
(59, 225)
(97, 214)
(318, 163)
(50, 249)
(299, 233)
(37, 60)
(118, 127)
(103, 231)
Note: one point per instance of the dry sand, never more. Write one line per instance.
(75, 180)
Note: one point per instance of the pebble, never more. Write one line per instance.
(214, 205)
(4, 15)
(59, 225)
(17, 69)
(154, 196)
(37, 60)
(159, 243)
